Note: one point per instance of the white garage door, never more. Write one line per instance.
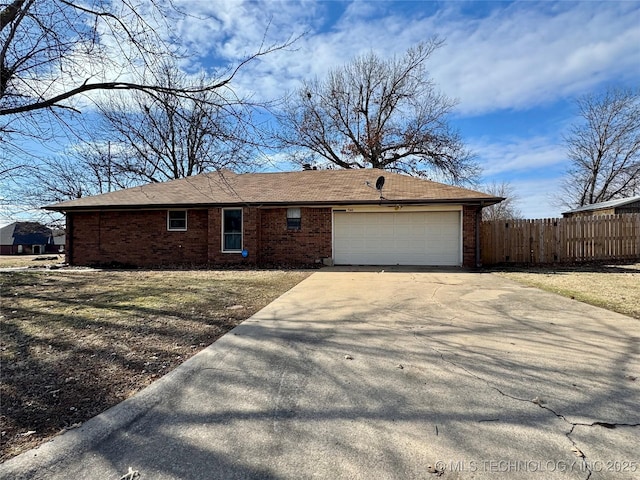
(397, 238)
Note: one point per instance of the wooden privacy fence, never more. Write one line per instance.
(561, 240)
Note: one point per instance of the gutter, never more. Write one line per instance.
(461, 201)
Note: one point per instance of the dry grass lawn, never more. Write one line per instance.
(30, 261)
(614, 287)
(76, 342)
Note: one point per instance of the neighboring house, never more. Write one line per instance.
(29, 238)
(293, 218)
(59, 240)
(612, 207)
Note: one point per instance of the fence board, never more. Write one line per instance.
(561, 240)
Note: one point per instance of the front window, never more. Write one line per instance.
(232, 230)
(294, 219)
(177, 220)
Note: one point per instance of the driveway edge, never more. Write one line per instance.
(96, 429)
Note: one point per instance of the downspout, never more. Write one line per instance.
(478, 225)
(69, 239)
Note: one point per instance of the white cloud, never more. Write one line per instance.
(231, 30)
(516, 57)
(537, 197)
(533, 166)
(503, 56)
(517, 155)
(277, 162)
(522, 56)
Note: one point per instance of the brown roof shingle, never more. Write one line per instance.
(335, 187)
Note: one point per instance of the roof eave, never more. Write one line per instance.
(598, 206)
(484, 202)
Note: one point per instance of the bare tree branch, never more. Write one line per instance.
(56, 55)
(51, 48)
(604, 149)
(167, 136)
(505, 210)
(377, 113)
(10, 13)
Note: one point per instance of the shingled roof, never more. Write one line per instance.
(25, 233)
(620, 202)
(310, 187)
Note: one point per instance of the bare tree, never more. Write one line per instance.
(52, 180)
(377, 113)
(59, 57)
(55, 54)
(89, 168)
(166, 136)
(145, 139)
(505, 210)
(82, 170)
(54, 51)
(60, 178)
(604, 149)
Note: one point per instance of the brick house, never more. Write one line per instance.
(293, 218)
(26, 238)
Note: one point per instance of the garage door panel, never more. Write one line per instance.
(397, 238)
(384, 219)
(405, 231)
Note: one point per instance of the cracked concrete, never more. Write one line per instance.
(587, 466)
(396, 375)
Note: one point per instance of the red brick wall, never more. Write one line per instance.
(137, 238)
(470, 217)
(249, 239)
(305, 246)
(141, 238)
(83, 236)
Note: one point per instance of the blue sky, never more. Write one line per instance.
(515, 67)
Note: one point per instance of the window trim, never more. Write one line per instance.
(186, 220)
(298, 226)
(222, 249)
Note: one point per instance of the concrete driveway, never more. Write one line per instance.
(382, 375)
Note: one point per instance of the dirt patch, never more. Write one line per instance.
(75, 343)
(614, 287)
